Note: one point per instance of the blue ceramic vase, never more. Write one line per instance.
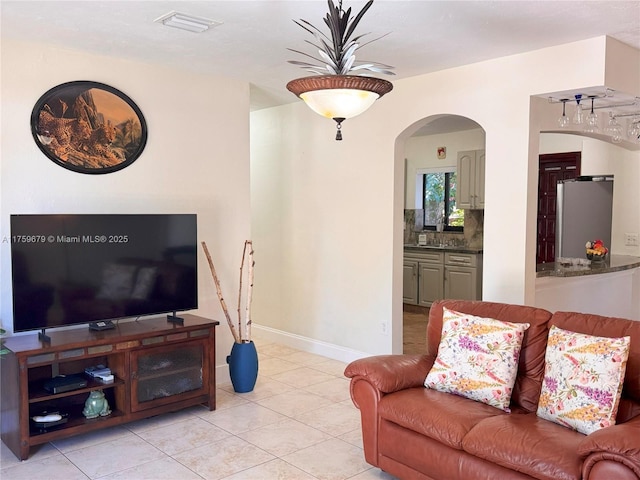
(243, 366)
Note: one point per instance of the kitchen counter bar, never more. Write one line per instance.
(615, 263)
(436, 248)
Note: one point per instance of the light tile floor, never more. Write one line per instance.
(298, 423)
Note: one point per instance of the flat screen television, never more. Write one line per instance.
(73, 269)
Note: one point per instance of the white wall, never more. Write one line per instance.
(421, 152)
(610, 294)
(625, 79)
(340, 205)
(196, 159)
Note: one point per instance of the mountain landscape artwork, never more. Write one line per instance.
(89, 127)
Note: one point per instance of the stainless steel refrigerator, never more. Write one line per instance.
(584, 209)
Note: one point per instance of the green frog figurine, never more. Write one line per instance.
(96, 405)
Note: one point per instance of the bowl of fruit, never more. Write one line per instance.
(596, 251)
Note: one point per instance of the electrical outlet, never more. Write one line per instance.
(384, 329)
(631, 239)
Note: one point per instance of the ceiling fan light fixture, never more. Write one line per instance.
(187, 22)
(339, 96)
(339, 103)
(334, 93)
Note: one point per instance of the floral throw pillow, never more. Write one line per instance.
(477, 358)
(582, 380)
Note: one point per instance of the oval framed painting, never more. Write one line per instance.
(88, 127)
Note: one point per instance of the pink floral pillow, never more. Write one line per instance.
(477, 358)
(583, 379)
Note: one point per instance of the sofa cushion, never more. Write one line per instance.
(611, 327)
(441, 416)
(406, 454)
(583, 379)
(477, 358)
(527, 444)
(526, 389)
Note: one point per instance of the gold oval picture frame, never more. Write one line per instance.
(88, 127)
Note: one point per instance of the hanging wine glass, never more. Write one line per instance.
(616, 137)
(592, 120)
(633, 131)
(614, 129)
(578, 116)
(563, 121)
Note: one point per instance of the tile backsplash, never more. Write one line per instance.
(471, 238)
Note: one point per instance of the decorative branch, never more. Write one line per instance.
(219, 292)
(240, 293)
(249, 244)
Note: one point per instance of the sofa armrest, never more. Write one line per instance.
(615, 448)
(374, 377)
(391, 373)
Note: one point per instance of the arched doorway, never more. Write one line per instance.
(442, 206)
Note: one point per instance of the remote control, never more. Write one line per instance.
(52, 417)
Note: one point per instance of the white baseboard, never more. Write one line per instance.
(299, 342)
(222, 374)
(311, 345)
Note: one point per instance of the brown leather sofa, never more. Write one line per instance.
(413, 432)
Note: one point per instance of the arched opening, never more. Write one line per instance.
(443, 213)
(599, 154)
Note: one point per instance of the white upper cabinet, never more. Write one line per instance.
(470, 189)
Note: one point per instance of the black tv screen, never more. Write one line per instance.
(71, 269)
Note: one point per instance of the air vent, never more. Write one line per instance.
(187, 22)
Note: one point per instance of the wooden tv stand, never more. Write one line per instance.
(158, 367)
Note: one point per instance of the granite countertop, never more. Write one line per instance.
(444, 248)
(615, 263)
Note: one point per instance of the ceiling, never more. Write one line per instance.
(251, 43)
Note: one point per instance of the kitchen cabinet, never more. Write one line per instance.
(461, 278)
(430, 287)
(470, 180)
(426, 278)
(410, 282)
(431, 275)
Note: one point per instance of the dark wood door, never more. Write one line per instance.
(553, 167)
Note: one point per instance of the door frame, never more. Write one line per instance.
(565, 159)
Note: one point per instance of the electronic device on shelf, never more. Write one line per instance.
(49, 419)
(105, 378)
(97, 370)
(100, 373)
(65, 383)
(102, 325)
(92, 269)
